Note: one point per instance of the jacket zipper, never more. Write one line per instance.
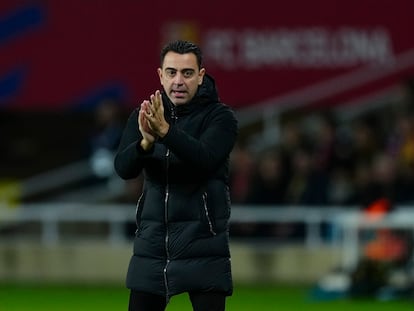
(167, 252)
(167, 194)
(210, 223)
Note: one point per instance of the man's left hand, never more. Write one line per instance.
(155, 115)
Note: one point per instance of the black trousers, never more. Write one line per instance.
(210, 301)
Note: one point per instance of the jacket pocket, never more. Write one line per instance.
(207, 215)
(138, 212)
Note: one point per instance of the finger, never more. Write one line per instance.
(142, 118)
(153, 112)
(160, 104)
(150, 111)
(147, 108)
(141, 122)
(152, 103)
(144, 105)
(158, 108)
(156, 100)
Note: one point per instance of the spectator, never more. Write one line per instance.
(105, 138)
(269, 181)
(241, 170)
(307, 185)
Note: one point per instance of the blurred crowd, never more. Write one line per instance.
(320, 160)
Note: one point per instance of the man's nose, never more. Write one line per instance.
(179, 78)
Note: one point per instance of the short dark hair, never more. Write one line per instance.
(182, 47)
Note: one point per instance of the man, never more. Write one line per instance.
(180, 139)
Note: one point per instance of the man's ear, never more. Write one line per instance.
(159, 71)
(201, 75)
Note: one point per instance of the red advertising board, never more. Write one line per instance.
(70, 54)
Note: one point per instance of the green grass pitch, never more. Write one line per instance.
(246, 298)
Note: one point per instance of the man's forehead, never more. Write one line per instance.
(180, 61)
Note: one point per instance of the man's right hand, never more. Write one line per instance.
(148, 137)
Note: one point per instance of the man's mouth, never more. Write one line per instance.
(178, 93)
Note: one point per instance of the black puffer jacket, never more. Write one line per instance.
(181, 241)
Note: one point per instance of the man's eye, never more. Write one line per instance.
(188, 73)
(171, 73)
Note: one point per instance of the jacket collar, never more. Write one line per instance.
(206, 94)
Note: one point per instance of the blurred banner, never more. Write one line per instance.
(72, 54)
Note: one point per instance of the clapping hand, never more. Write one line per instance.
(151, 120)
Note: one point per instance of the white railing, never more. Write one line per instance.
(347, 221)
(49, 215)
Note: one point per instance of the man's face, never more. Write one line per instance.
(180, 77)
